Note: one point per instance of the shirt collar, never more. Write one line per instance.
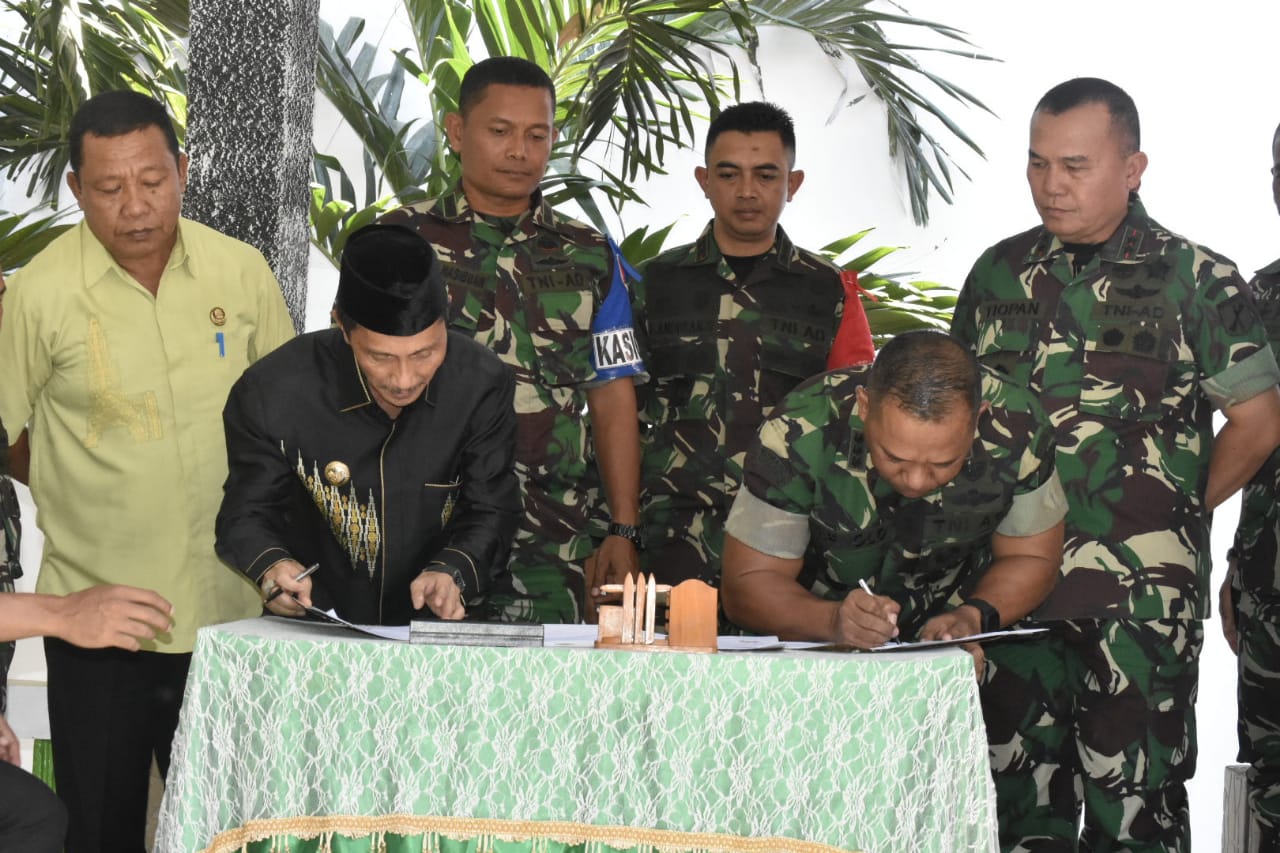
(1131, 243)
(781, 254)
(454, 207)
(98, 261)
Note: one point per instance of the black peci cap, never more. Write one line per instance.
(390, 281)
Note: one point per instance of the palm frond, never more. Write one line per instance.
(855, 35)
(70, 50)
(23, 235)
(896, 303)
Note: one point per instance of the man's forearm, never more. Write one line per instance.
(251, 521)
(30, 615)
(489, 507)
(760, 593)
(768, 604)
(616, 430)
(1016, 585)
(248, 530)
(1238, 453)
(1022, 573)
(478, 543)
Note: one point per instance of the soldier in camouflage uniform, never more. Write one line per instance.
(923, 475)
(1250, 597)
(548, 295)
(732, 322)
(1129, 335)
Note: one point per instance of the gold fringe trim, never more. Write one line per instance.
(488, 830)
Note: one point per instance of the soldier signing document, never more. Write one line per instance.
(922, 476)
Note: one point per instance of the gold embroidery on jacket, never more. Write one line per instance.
(354, 524)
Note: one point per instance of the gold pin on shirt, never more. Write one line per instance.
(337, 473)
(218, 316)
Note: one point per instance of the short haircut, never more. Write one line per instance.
(927, 373)
(115, 114)
(1094, 90)
(505, 71)
(754, 117)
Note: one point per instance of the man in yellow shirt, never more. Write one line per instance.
(121, 341)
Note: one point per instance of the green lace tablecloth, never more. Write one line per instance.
(296, 737)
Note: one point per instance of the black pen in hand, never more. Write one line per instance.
(307, 572)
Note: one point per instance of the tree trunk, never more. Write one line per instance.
(251, 93)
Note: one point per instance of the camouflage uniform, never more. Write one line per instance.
(531, 288)
(1128, 350)
(1256, 592)
(722, 354)
(9, 568)
(810, 490)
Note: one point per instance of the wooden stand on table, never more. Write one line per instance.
(691, 617)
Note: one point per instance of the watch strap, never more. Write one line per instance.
(627, 531)
(458, 580)
(990, 616)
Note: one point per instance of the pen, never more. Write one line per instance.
(862, 582)
(307, 572)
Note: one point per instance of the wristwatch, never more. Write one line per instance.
(451, 572)
(990, 616)
(627, 531)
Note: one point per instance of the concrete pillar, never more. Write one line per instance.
(251, 94)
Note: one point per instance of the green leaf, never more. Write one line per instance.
(24, 235)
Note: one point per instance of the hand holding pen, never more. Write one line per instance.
(287, 576)
(866, 621)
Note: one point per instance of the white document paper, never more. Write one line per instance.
(584, 637)
(895, 646)
(386, 632)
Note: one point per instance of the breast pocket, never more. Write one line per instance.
(471, 306)
(560, 333)
(784, 364)
(1007, 345)
(438, 502)
(1129, 368)
(841, 556)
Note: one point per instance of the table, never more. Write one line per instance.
(292, 731)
